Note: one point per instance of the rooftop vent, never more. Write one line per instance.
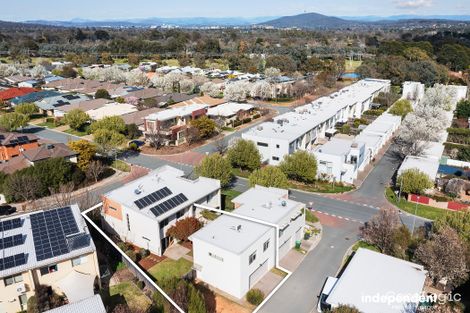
(50, 147)
(283, 203)
(239, 228)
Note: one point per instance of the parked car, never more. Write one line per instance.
(322, 306)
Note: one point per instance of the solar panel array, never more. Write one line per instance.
(50, 229)
(10, 224)
(12, 261)
(78, 241)
(169, 204)
(11, 241)
(152, 198)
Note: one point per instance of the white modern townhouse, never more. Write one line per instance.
(301, 128)
(52, 248)
(140, 212)
(232, 254)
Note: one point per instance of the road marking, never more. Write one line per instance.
(337, 216)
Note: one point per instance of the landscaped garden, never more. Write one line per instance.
(169, 268)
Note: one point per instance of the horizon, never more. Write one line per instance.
(56, 10)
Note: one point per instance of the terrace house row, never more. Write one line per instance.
(301, 129)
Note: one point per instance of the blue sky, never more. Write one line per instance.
(20, 10)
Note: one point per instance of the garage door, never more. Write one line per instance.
(258, 273)
(284, 248)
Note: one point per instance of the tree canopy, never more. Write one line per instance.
(27, 109)
(113, 123)
(244, 154)
(300, 166)
(269, 176)
(86, 151)
(205, 126)
(414, 181)
(108, 140)
(216, 166)
(76, 119)
(12, 121)
(401, 108)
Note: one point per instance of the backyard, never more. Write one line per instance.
(169, 268)
(127, 293)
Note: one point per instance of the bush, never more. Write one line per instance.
(256, 116)
(345, 129)
(255, 296)
(132, 255)
(360, 121)
(246, 120)
(140, 284)
(144, 253)
(401, 108)
(237, 123)
(122, 245)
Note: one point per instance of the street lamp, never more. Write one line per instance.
(414, 217)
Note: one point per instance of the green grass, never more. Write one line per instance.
(310, 217)
(47, 124)
(121, 166)
(227, 196)
(129, 293)
(420, 210)
(170, 268)
(78, 133)
(320, 186)
(228, 129)
(240, 173)
(365, 245)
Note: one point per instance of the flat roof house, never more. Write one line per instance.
(141, 211)
(299, 130)
(52, 248)
(371, 275)
(171, 124)
(340, 159)
(233, 254)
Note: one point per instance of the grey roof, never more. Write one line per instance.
(52, 103)
(57, 150)
(371, 273)
(165, 176)
(85, 105)
(28, 246)
(89, 305)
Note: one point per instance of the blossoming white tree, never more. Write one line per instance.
(261, 89)
(237, 91)
(38, 71)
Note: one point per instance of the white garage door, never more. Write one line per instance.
(258, 273)
(284, 248)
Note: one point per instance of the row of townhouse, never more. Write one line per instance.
(301, 129)
(142, 211)
(341, 159)
(51, 248)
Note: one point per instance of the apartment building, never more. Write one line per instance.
(301, 129)
(340, 160)
(52, 248)
(141, 211)
(171, 124)
(233, 254)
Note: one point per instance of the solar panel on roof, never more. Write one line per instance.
(12, 261)
(10, 224)
(50, 229)
(169, 204)
(78, 241)
(152, 198)
(11, 241)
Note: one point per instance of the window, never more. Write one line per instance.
(266, 245)
(164, 223)
(13, 280)
(128, 223)
(252, 258)
(262, 144)
(180, 213)
(23, 301)
(275, 158)
(79, 260)
(48, 269)
(111, 208)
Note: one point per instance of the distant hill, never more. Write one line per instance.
(309, 20)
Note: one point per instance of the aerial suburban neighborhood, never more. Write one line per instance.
(211, 157)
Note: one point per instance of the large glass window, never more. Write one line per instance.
(252, 257)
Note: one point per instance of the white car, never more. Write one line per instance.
(327, 287)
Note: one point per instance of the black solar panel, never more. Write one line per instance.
(23, 139)
(11, 241)
(50, 229)
(169, 204)
(152, 198)
(78, 241)
(12, 261)
(10, 224)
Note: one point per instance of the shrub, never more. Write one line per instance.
(345, 129)
(144, 252)
(132, 255)
(401, 108)
(256, 116)
(255, 296)
(122, 245)
(237, 123)
(184, 228)
(140, 284)
(246, 120)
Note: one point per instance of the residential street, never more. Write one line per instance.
(341, 217)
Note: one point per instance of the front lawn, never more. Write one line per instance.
(320, 186)
(240, 173)
(78, 133)
(227, 196)
(425, 211)
(169, 268)
(128, 293)
(47, 124)
(121, 166)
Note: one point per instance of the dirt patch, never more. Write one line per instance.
(122, 276)
(173, 150)
(151, 260)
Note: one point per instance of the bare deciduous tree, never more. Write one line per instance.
(63, 195)
(444, 256)
(221, 146)
(95, 169)
(380, 230)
